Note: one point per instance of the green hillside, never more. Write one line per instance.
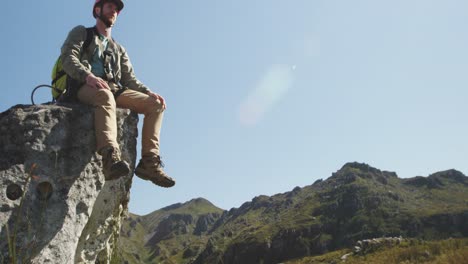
(355, 203)
(174, 234)
(450, 251)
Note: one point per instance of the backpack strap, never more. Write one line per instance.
(90, 33)
(112, 48)
(58, 75)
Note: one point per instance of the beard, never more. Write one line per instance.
(106, 20)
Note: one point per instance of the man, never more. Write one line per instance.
(108, 81)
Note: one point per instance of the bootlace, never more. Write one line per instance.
(115, 155)
(156, 160)
(112, 154)
(159, 161)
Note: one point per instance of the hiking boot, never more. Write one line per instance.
(150, 168)
(112, 166)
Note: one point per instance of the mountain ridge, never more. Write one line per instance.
(356, 202)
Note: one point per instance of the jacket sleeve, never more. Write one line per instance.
(128, 78)
(72, 50)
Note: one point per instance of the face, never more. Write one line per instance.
(108, 13)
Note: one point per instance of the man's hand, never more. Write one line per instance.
(158, 97)
(96, 82)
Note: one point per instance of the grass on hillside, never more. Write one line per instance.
(450, 251)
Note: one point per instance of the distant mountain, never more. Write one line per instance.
(356, 202)
(173, 234)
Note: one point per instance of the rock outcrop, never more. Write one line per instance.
(55, 206)
(204, 223)
(366, 246)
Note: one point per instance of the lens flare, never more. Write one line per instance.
(275, 83)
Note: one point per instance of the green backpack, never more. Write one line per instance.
(61, 82)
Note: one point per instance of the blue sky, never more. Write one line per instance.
(265, 95)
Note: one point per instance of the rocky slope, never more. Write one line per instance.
(355, 203)
(55, 205)
(174, 234)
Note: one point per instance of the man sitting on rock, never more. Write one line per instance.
(108, 81)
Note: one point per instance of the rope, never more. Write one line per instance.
(39, 86)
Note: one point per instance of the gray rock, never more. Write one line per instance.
(204, 222)
(345, 256)
(370, 245)
(68, 212)
(357, 249)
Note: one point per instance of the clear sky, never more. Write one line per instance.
(266, 95)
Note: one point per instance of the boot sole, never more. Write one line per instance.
(118, 170)
(162, 182)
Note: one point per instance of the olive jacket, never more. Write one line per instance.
(76, 61)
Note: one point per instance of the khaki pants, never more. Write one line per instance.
(105, 123)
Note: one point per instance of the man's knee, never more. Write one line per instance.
(153, 105)
(105, 97)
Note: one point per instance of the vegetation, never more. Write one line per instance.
(357, 202)
(449, 251)
(169, 235)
